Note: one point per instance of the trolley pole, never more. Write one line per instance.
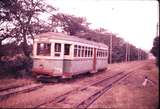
(110, 59)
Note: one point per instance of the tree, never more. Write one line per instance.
(118, 49)
(24, 16)
(19, 20)
(70, 23)
(5, 18)
(155, 48)
(133, 53)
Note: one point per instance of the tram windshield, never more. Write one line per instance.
(44, 49)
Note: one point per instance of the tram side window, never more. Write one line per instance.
(106, 54)
(91, 52)
(44, 49)
(85, 51)
(75, 51)
(79, 51)
(102, 53)
(57, 49)
(98, 53)
(82, 51)
(88, 51)
(66, 49)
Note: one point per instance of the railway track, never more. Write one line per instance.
(5, 93)
(109, 84)
(87, 102)
(10, 87)
(101, 86)
(63, 97)
(96, 89)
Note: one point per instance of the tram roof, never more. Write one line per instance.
(62, 36)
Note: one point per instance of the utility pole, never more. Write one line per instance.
(157, 32)
(126, 52)
(110, 59)
(139, 54)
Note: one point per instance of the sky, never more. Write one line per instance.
(133, 20)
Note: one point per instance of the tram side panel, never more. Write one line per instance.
(50, 67)
(101, 59)
(77, 66)
(101, 63)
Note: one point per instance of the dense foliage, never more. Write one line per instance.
(17, 65)
(20, 20)
(155, 48)
(71, 24)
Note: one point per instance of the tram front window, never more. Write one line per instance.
(44, 49)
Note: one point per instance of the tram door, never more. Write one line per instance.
(94, 59)
(67, 50)
(66, 62)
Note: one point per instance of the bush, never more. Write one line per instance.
(16, 65)
(155, 49)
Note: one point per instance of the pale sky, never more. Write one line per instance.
(134, 21)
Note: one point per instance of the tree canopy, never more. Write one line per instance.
(70, 23)
(22, 16)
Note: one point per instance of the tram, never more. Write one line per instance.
(61, 55)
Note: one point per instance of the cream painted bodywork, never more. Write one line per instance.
(71, 64)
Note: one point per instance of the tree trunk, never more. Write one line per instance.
(0, 50)
(25, 45)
